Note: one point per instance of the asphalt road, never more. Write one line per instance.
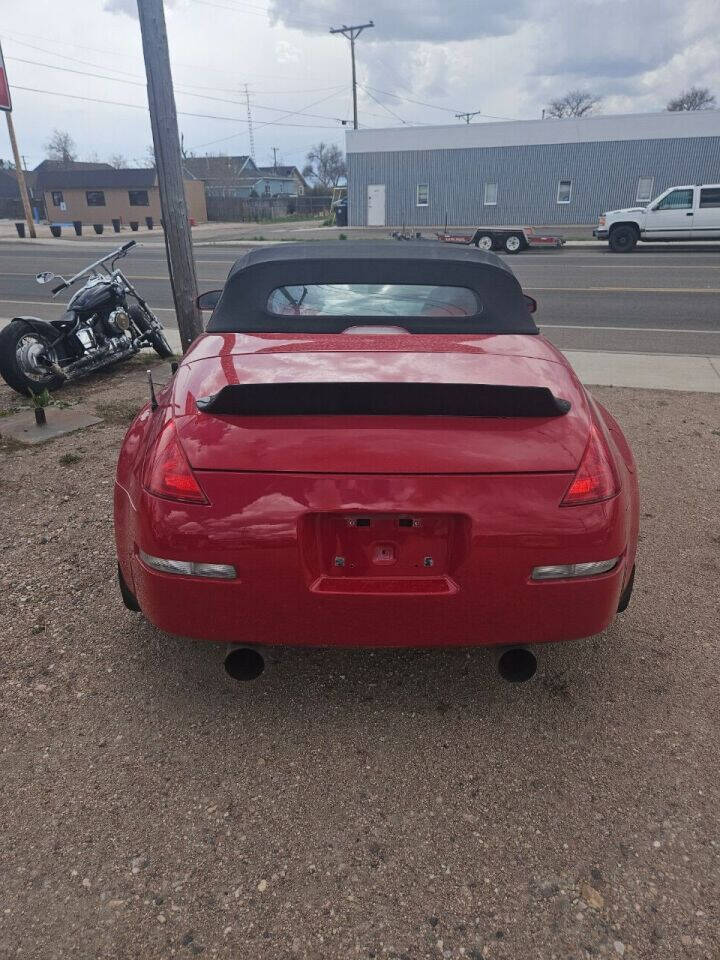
(664, 300)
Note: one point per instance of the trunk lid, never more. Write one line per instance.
(378, 444)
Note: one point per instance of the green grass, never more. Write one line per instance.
(68, 459)
(118, 411)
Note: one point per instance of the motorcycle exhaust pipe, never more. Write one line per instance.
(517, 664)
(244, 663)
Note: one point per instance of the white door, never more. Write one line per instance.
(706, 222)
(671, 217)
(376, 205)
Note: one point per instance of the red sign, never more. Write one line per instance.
(5, 101)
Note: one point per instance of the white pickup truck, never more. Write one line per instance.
(680, 213)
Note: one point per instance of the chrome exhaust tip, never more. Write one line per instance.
(517, 664)
(244, 664)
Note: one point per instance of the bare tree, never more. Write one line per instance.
(325, 165)
(696, 98)
(575, 103)
(149, 158)
(118, 161)
(61, 146)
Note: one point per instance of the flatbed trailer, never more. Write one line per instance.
(507, 239)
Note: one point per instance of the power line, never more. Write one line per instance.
(381, 104)
(183, 113)
(136, 76)
(202, 96)
(467, 117)
(434, 106)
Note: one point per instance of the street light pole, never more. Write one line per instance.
(352, 33)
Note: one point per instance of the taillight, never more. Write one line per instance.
(167, 472)
(595, 478)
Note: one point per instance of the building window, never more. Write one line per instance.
(677, 200)
(491, 194)
(57, 198)
(644, 190)
(564, 193)
(138, 198)
(422, 195)
(95, 198)
(710, 197)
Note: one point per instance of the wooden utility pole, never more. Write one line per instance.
(467, 117)
(352, 33)
(20, 174)
(168, 160)
(6, 107)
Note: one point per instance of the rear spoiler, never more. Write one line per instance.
(383, 399)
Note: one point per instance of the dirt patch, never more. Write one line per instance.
(355, 804)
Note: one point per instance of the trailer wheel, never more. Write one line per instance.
(513, 243)
(485, 242)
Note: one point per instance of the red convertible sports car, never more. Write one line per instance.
(372, 445)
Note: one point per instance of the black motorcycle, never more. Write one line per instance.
(98, 329)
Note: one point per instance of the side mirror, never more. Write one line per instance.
(44, 277)
(208, 300)
(531, 303)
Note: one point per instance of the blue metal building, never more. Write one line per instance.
(536, 172)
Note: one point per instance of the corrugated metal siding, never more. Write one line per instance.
(604, 176)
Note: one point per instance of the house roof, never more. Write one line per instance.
(219, 168)
(133, 179)
(282, 171)
(71, 165)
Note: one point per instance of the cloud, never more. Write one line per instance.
(434, 21)
(286, 52)
(128, 7)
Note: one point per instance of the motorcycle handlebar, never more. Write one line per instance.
(59, 287)
(130, 243)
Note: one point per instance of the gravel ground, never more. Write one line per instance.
(374, 805)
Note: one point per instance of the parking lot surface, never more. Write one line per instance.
(377, 804)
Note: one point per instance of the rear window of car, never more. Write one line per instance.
(372, 300)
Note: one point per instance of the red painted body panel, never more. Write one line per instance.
(284, 496)
(370, 444)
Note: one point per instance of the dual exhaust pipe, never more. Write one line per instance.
(514, 664)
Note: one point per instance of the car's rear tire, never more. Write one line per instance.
(623, 239)
(128, 597)
(627, 592)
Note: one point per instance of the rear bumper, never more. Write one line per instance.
(286, 593)
(601, 234)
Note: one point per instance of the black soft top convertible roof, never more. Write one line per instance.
(242, 308)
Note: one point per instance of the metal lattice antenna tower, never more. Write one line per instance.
(250, 126)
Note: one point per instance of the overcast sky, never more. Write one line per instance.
(506, 59)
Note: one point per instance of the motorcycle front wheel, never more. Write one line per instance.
(22, 348)
(156, 337)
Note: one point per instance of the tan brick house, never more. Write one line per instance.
(102, 195)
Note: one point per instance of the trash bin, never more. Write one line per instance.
(116, 225)
(98, 227)
(134, 224)
(55, 229)
(77, 224)
(20, 227)
(341, 213)
(149, 222)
